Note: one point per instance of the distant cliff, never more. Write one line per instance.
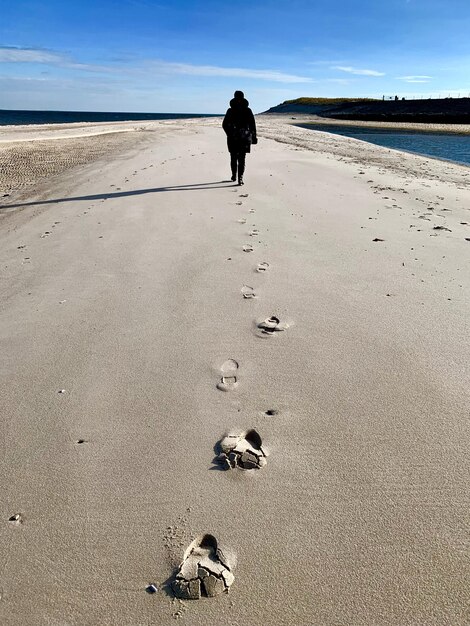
(432, 111)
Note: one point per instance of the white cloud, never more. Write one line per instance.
(415, 79)
(339, 81)
(356, 71)
(230, 72)
(13, 54)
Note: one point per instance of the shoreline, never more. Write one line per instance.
(36, 154)
(339, 146)
(68, 130)
(402, 150)
(459, 129)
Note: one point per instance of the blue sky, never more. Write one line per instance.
(189, 56)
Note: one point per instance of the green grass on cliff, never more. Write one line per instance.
(309, 101)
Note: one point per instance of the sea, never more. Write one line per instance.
(15, 118)
(446, 146)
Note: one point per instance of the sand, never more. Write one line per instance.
(128, 308)
(305, 118)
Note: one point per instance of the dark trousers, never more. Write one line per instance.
(237, 162)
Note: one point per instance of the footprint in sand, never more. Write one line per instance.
(206, 570)
(248, 292)
(243, 450)
(243, 195)
(254, 232)
(248, 248)
(262, 267)
(242, 220)
(271, 326)
(16, 519)
(229, 380)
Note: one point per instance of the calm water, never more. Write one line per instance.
(67, 117)
(439, 145)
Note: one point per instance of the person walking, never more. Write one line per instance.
(240, 127)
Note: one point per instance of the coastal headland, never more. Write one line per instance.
(449, 111)
(150, 308)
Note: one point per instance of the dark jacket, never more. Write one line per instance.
(239, 125)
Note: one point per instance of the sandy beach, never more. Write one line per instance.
(293, 118)
(138, 292)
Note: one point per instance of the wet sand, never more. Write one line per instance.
(139, 297)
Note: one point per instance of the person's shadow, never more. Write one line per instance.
(219, 184)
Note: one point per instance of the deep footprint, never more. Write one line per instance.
(247, 248)
(248, 292)
(205, 571)
(243, 450)
(229, 380)
(262, 267)
(272, 325)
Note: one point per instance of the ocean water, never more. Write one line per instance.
(447, 146)
(67, 117)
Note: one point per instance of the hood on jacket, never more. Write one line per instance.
(241, 103)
